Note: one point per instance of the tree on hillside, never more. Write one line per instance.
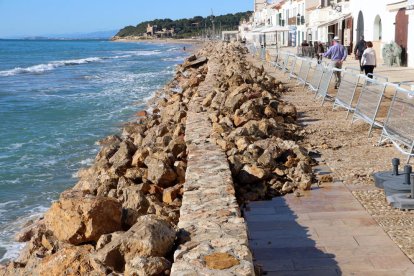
(188, 27)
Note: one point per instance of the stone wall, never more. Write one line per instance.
(213, 235)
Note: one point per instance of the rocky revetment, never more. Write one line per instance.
(164, 197)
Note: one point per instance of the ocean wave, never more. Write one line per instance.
(121, 54)
(41, 68)
(7, 242)
(179, 59)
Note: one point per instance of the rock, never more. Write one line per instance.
(134, 205)
(291, 161)
(106, 185)
(107, 238)
(142, 113)
(179, 116)
(220, 128)
(235, 164)
(220, 261)
(31, 230)
(169, 112)
(270, 112)
(239, 120)
(266, 159)
(122, 158)
(285, 109)
(148, 237)
(288, 187)
(326, 178)
(160, 172)
(251, 174)
(170, 194)
(234, 102)
(139, 157)
(77, 218)
(177, 146)
(72, 260)
(136, 174)
(110, 140)
(195, 63)
(180, 168)
(147, 266)
(208, 99)
(242, 144)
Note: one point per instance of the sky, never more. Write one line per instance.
(43, 17)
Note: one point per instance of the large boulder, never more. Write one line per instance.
(160, 171)
(73, 260)
(134, 205)
(149, 237)
(77, 218)
(251, 174)
(122, 158)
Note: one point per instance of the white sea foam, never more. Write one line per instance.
(87, 161)
(16, 146)
(6, 235)
(41, 68)
(179, 59)
(137, 53)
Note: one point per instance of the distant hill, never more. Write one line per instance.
(188, 27)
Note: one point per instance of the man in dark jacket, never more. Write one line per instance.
(359, 50)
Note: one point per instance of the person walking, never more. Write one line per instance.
(338, 54)
(359, 50)
(369, 60)
(319, 49)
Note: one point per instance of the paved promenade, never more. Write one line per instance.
(326, 231)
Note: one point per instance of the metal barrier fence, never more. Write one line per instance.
(292, 66)
(304, 71)
(346, 91)
(282, 61)
(369, 102)
(316, 77)
(408, 85)
(398, 126)
(325, 82)
(295, 64)
(271, 55)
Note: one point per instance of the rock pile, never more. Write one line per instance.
(121, 216)
(256, 129)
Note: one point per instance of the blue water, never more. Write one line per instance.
(57, 98)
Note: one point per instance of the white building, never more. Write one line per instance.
(387, 22)
(289, 22)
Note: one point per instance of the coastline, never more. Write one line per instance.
(10, 246)
(123, 215)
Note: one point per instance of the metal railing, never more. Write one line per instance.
(346, 91)
(315, 77)
(369, 102)
(398, 126)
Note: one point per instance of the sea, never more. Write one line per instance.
(57, 98)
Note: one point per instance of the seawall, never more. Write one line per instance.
(214, 235)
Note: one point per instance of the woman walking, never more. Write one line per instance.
(369, 60)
